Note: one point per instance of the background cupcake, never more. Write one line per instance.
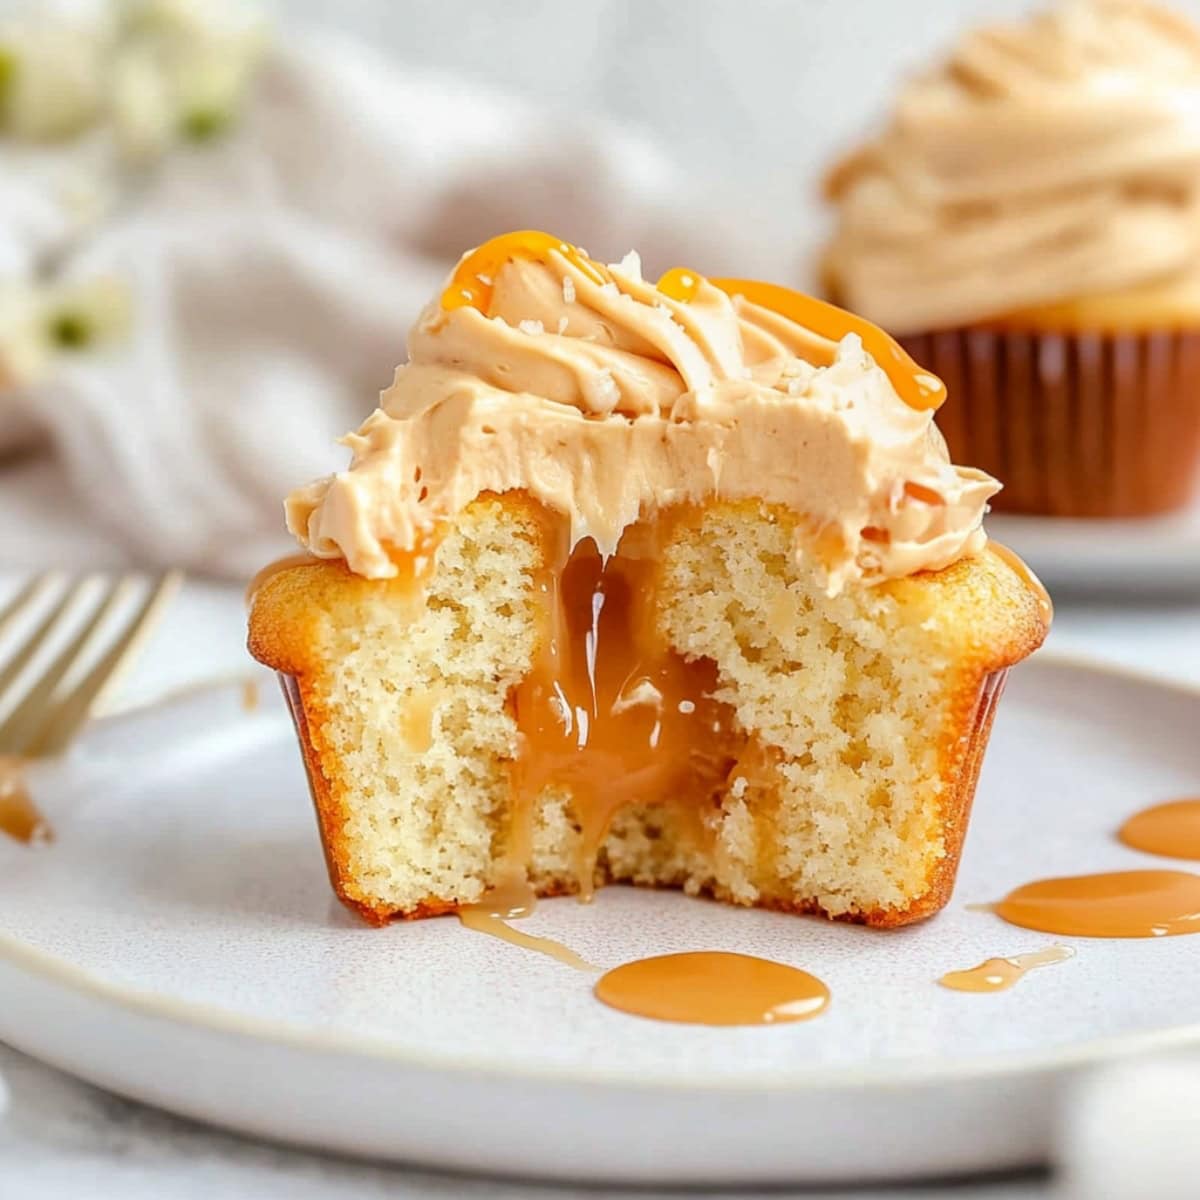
(1029, 225)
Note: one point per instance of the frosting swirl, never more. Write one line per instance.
(606, 399)
(1045, 161)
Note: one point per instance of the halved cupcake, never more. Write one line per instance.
(668, 584)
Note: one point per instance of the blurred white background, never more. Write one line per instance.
(753, 97)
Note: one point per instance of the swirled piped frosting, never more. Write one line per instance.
(608, 398)
(1046, 161)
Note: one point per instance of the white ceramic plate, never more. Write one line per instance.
(178, 944)
(1149, 556)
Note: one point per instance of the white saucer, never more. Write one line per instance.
(1150, 556)
(178, 944)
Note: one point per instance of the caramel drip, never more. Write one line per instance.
(19, 817)
(999, 974)
(713, 988)
(609, 713)
(1031, 581)
(1172, 830)
(473, 279)
(918, 388)
(477, 917)
(1118, 904)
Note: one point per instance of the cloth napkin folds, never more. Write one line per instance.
(269, 276)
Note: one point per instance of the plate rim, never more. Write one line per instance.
(51, 969)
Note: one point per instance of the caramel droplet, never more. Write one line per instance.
(999, 974)
(1118, 904)
(1172, 830)
(19, 816)
(713, 988)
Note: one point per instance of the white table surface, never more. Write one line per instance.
(62, 1140)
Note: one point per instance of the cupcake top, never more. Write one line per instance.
(1046, 161)
(607, 398)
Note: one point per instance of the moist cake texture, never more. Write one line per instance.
(710, 691)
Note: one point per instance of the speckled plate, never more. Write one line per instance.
(178, 944)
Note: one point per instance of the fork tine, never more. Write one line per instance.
(49, 625)
(23, 601)
(90, 692)
(38, 705)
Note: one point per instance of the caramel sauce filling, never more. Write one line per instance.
(1000, 974)
(473, 279)
(1172, 830)
(19, 816)
(1115, 904)
(609, 712)
(713, 988)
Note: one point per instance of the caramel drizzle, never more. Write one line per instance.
(1000, 974)
(477, 917)
(918, 388)
(473, 282)
(713, 988)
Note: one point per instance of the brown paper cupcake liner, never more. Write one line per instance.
(1073, 424)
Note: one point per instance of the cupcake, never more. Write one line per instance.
(1028, 226)
(668, 584)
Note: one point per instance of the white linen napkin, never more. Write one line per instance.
(270, 276)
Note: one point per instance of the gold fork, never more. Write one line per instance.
(100, 628)
(49, 705)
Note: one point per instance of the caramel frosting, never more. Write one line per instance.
(606, 398)
(1042, 162)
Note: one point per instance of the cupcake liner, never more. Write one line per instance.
(959, 795)
(1073, 424)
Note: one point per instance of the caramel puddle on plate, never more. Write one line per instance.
(999, 974)
(1172, 829)
(19, 817)
(713, 988)
(1115, 904)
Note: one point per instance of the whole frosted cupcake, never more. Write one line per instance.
(1029, 226)
(664, 583)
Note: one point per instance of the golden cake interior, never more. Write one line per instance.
(697, 712)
